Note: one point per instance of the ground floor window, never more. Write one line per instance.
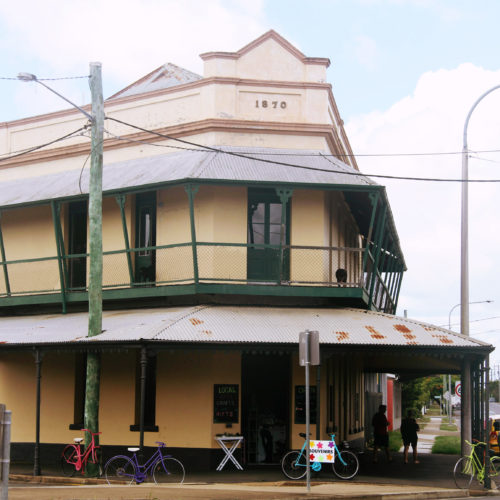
(150, 394)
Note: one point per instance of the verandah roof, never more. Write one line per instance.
(202, 165)
(214, 324)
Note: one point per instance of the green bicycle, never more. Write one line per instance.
(470, 465)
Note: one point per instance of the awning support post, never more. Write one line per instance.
(38, 364)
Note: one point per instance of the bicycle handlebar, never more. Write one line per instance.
(93, 433)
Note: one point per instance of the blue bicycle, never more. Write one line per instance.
(163, 468)
(294, 463)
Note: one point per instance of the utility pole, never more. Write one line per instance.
(95, 251)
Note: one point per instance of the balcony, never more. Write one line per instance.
(373, 274)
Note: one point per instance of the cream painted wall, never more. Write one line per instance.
(117, 399)
(185, 403)
(173, 227)
(28, 233)
(115, 266)
(309, 216)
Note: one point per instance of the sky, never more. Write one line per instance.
(404, 74)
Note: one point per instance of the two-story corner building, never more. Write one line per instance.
(234, 218)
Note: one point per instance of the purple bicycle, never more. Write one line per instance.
(163, 468)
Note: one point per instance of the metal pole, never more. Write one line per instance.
(308, 450)
(38, 363)
(6, 424)
(487, 479)
(464, 261)
(144, 364)
(464, 266)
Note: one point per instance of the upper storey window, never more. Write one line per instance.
(267, 259)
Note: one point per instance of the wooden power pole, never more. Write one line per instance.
(95, 247)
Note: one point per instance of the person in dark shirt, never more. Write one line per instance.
(409, 429)
(380, 434)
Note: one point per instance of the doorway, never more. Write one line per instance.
(145, 238)
(265, 406)
(77, 245)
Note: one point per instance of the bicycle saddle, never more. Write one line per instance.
(133, 450)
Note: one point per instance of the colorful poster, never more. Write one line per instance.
(322, 451)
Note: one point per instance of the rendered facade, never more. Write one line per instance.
(234, 217)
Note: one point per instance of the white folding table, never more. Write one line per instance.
(233, 442)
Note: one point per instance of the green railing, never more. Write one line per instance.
(240, 264)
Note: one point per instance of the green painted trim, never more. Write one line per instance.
(4, 264)
(191, 190)
(56, 219)
(120, 199)
(378, 249)
(284, 196)
(398, 289)
(374, 199)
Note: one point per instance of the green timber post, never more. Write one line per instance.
(56, 210)
(4, 260)
(284, 195)
(378, 242)
(374, 197)
(120, 199)
(95, 247)
(191, 190)
(396, 297)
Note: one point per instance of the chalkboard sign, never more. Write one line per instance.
(226, 402)
(300, 404)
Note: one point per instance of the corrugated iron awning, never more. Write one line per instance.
(215, 324)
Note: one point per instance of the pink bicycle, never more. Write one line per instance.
(74, 458)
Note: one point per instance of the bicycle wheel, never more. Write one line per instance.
(494, 466)
(119, 469)
(346, 465)
(463, 473)
(69, 458)
(294, 465)
(168, 470)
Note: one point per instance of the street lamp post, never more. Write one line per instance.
(464, 277)
(95, 239)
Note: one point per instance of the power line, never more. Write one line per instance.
(46, 79)
(35, 148)
(292, 165)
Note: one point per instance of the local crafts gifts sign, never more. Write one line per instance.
(226, 403)
(322, 451)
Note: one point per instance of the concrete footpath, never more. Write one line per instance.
(432, 478)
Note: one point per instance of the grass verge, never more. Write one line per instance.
(449, 445)
(448, 427)
(395, 441)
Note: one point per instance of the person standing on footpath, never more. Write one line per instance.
(409, 429)
(380, 434)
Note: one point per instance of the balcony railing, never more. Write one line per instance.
(237, 264)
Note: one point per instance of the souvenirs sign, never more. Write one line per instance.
(322, 451)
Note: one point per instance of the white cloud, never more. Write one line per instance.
(428, 214)
(130, 38)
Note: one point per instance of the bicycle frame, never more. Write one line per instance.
(316, 466)
(479, 468)
(143, 470)
(89, 452)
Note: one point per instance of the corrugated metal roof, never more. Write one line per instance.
(164, 77)
(260, 165)
(210, 324)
